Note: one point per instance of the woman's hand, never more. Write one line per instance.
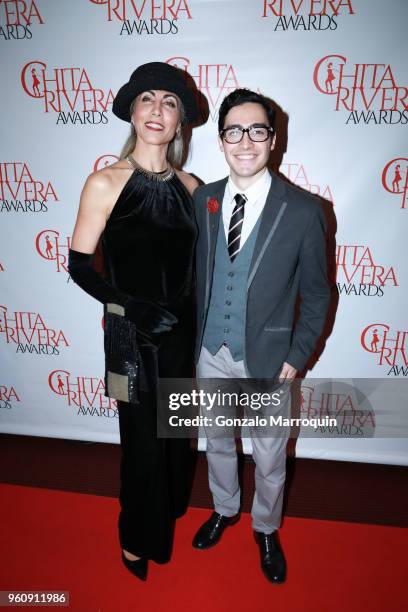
(150, 318)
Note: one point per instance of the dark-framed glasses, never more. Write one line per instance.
(258, 132)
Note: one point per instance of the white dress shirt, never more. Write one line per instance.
(256, 194)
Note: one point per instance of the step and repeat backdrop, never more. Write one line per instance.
(335, 67)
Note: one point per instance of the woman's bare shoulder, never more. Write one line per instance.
(189, 181)
(107, 183)
(102, 188)
(109, 178)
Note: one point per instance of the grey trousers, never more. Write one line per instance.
(269, 454)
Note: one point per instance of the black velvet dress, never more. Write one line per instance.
(148, 246)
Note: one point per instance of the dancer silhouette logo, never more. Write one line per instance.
(86, 394)
(304, 15)
(28, 333)
(395, 179)
(17, 17)
(67, 92)
(146, 16)
(50, 246)
(20, 191)
(368, 93)
(389, 347)
(105, 160)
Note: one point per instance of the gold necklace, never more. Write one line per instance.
(165, 175)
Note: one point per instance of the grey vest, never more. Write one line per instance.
(226, 313)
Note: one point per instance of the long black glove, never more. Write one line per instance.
(150, 318)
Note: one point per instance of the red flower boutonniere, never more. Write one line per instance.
(213, 205)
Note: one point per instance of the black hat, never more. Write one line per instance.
(157, 75)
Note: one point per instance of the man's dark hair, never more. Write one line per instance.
(242, 96)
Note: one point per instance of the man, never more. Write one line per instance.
(261, 245)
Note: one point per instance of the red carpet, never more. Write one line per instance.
(66, 541)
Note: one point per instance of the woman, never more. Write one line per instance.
(142, 208)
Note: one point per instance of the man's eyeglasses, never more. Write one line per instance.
(256, 132)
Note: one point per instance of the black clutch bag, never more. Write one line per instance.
(122, 356)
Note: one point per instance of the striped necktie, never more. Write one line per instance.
(235, 226)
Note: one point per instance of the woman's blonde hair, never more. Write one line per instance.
(175, 151)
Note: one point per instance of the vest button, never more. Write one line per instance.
(230, 273)
(228, 302)
(226, 316)
(229, 287)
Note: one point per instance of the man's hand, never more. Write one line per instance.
(287, 373)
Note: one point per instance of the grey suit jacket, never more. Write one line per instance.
(289, 259)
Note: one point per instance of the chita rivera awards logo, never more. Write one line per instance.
(83, 393)
(395, 179)
(20, 191)
(17, 17)
(296, 173)
(8, 397)
(52, 247)
(67, 92)
(367, 93)
(306, 14)
(29, 333)
(146, 16)
(339, 403)
(215, 81)
(358, 273)
(389, 347)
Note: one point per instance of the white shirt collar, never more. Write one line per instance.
(255, 191)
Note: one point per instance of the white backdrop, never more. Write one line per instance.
(335, 67)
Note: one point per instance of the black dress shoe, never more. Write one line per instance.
(211, 531)
(137, 568)
(273, 562)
